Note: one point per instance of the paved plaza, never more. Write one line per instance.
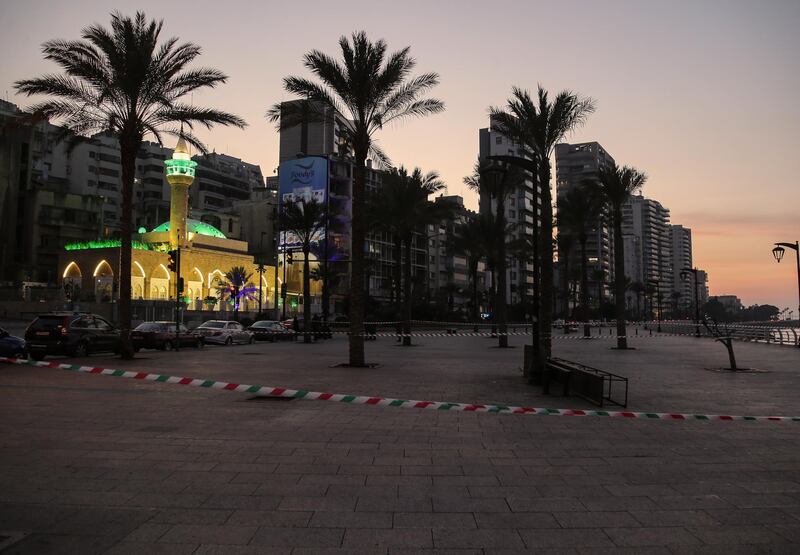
(94, 464)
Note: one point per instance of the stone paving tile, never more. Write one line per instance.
(756, 500)
(675, 518)
(192, 516)
(736, 534)
(267, 538)
(254, 502)
(395, 504)
(434, 520)
(328, 503)
(469, 505)
(487, 539)
(579, 537)
(516, 520)
(679, 502)
(399, 537)
(240, 550)
(134, 548)
(751, 516)
(184, 500)
(148, 532)
(339, 519)
(547, 504)
(197, 534)
(650, 536)
(595, 519)
(612, 503)
(63, 544)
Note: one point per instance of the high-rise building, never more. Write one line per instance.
(681, 239)
(649, 220)
(576, 165)
(702, 287)
(519, 212)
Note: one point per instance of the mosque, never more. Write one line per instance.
(88, 270)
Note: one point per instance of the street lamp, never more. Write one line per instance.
(685, 275)
(778, 253)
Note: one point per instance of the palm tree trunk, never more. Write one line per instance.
(129, 146)
(502, 278)
(584, 289)
(619, 278)
(306, 293)
(407, 293)
(356, 339)
(546, 246)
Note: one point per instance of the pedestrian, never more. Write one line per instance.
(315, 322)
(295, 326)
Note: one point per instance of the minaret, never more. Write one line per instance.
(180, 175)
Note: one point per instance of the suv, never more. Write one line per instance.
(75, 334)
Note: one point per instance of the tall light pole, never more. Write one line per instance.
(684, 275)
(778, 252)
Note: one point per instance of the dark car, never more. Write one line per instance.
(161, 335)
(270, 330)
(12, 346)
(75, 334)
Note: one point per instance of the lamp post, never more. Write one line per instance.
(778, 252)
(684, 275)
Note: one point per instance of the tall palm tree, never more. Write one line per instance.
(370, 89)
(638, 289)
(578, 208)
(565, 243)
(403, 205)
(237, 286)
(538, 125)
(125, 80)
(305, 219)
(473, 242)
(617, 185)
(497, 181)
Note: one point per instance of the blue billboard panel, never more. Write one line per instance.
(303, 179)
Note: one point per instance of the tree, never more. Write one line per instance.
(565, 242)
(305, 219)
(402, 208)
(497, 181)
(579, 208)
(638, 289)
(236, 287)
(538, 125)
(126, 81)
(617, 185)
(474, 242)
(371, 90)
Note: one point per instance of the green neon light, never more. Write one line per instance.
(180, 167)
(195, 226)
(107, 244)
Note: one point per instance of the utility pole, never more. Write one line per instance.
(179, 290)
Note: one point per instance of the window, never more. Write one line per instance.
(101, 324)
(498, 140)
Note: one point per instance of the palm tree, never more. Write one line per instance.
(579, 208)
(124, 81)
(403, 205)
(497, 181)
(638, 289)
(237, 286)
(538, 125)
(371, 90)
(617, 185)
(305, 219)
(472, 242)
(565, 242)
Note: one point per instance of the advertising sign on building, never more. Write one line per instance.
(301, 180)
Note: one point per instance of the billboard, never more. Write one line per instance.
(301, 180)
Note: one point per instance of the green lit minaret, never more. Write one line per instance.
(180, 175)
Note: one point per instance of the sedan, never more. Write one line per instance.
(12, 346)
(161, 335)
(222, 332)
(270, 330)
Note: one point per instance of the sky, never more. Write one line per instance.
(699, 94)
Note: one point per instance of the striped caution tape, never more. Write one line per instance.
(268, 391)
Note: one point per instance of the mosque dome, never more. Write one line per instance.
(196, 226)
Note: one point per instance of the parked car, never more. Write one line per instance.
(161, 335)
(289, 324)
(270, 330)
(223, 332)
(12, 346)
(74, 334)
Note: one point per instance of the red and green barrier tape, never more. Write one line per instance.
(268, 391)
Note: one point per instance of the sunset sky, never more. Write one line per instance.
(702, 95)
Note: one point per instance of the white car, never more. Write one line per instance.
(222, 332)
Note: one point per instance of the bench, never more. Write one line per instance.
(594, 385)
